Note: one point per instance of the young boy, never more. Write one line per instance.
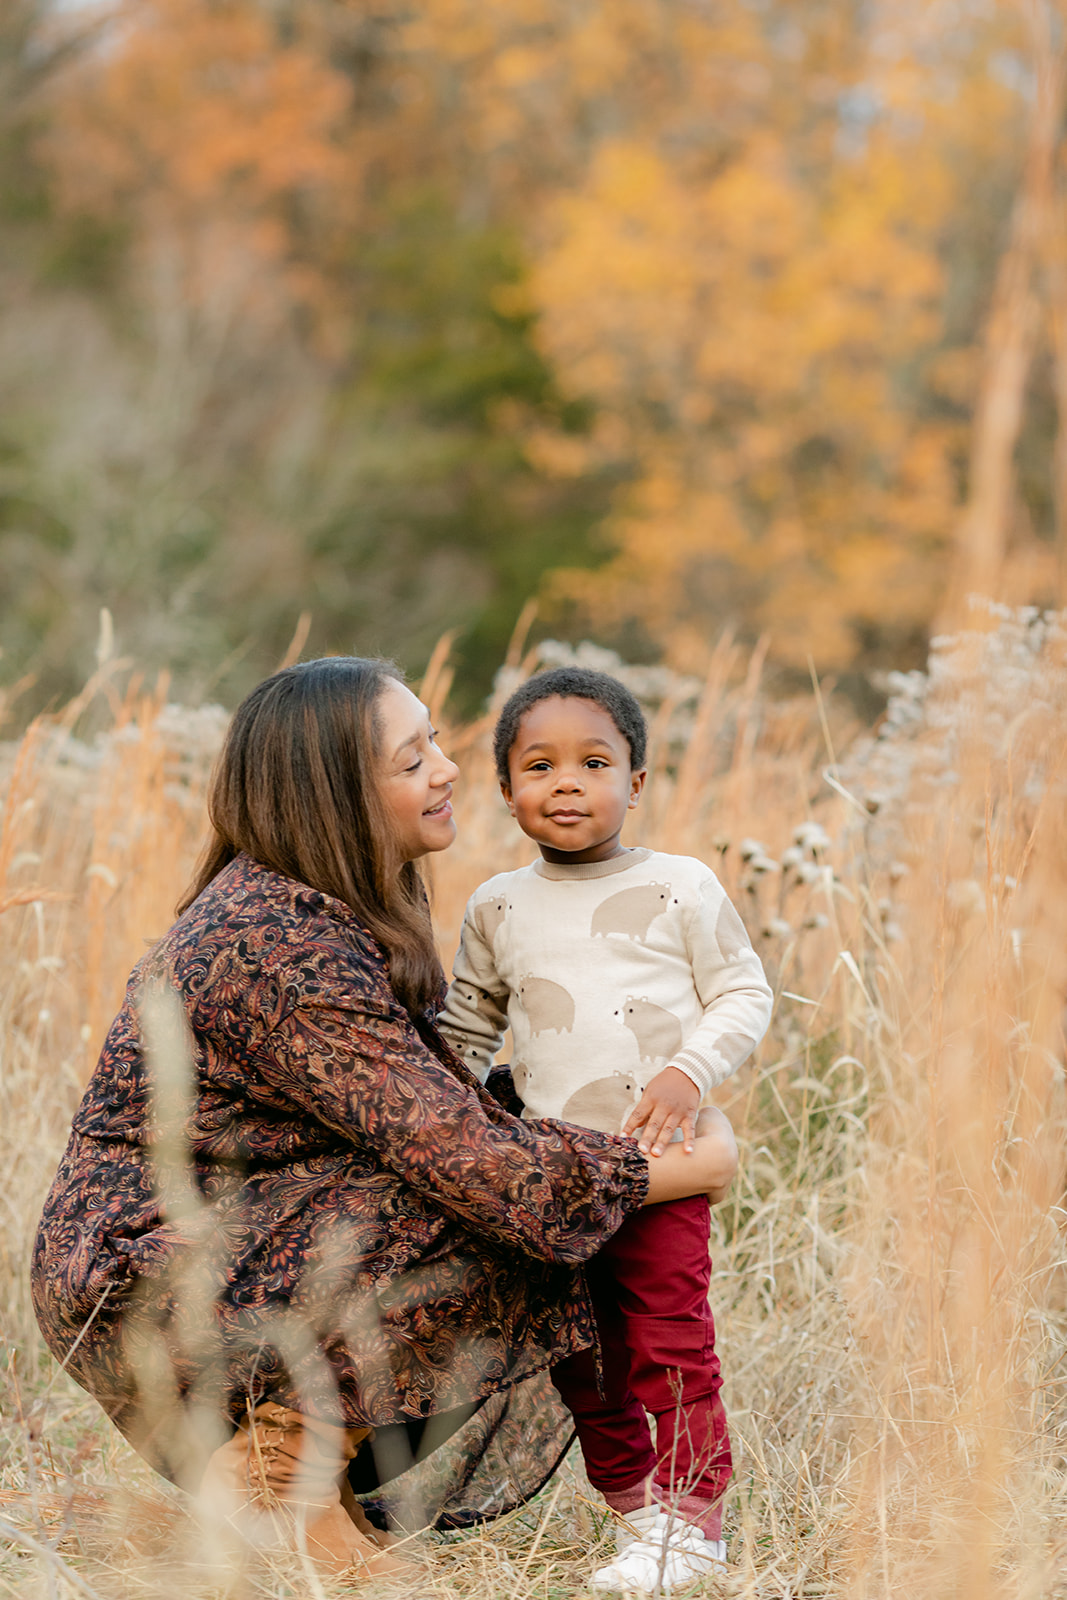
(631, 990)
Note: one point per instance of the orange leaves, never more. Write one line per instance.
(751, 239)
(219, 150)
(199, 103)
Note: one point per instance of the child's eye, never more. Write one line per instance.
(596, 761)
(538, 766)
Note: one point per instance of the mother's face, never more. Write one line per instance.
(416, 777)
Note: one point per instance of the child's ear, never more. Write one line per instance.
(505, 790)
(637, 783)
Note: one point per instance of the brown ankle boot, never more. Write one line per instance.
(278, 1483)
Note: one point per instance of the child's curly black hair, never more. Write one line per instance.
(571, 683)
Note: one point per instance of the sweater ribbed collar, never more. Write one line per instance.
(563, 872)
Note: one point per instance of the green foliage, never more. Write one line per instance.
(456, 378)
(412, 508)
(389, 317)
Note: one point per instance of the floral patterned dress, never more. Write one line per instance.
(337, 1217)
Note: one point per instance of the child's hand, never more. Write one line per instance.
(669, 1102)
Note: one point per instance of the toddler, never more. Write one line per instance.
(631, 990)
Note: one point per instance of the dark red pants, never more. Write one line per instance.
(649, 1286)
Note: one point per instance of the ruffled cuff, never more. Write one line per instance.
(619, 1177)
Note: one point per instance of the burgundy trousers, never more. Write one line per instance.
(649, 1286)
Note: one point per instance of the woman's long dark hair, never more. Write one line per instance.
(295, 787)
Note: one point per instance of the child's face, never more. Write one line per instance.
(570, 783)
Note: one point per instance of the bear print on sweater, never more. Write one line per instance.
(569, 956)
(603, 1104)
(657, 1031)
(547, 1005)
(730, 935)
(489, 917)
(483, 1002)
(734, 1048)
(631, 911)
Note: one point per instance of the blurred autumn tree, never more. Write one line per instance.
(264, 360)
(780, 277)
(684, 315)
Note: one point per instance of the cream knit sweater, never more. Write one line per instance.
(606, 973)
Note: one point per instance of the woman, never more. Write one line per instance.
(292, 1239)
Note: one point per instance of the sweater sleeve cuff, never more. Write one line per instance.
(697, 1070)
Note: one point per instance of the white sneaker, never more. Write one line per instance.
(669, 1553)
(634, 1526)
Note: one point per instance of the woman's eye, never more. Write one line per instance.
(415, 765)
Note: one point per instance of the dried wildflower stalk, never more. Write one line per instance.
(888, 1281)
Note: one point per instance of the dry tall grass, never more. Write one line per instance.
(889, 1282)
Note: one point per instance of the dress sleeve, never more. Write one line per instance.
(547, 1189)
(732, 987)
(474, 1019)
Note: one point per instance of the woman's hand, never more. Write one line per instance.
(708, 1169)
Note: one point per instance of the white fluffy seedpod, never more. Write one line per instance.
(776, 928)
(818, 919)
(792, 857)
(966, 897)
(750, 848)
(762, 865)
(720, 843)
(811, 836)
(808, 872)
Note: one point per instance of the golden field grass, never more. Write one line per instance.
(889, 1268)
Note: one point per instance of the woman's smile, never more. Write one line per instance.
(417, 776)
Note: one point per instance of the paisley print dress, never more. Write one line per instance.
(301, 1193)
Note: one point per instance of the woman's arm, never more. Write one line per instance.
(549, 1189)
(709, 1169)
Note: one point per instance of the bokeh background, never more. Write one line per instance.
(723, 344)
(673, 315)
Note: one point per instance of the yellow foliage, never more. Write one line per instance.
(736, 219)
(746, 322)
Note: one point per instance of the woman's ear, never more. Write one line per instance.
(505, 790)
(637, 783)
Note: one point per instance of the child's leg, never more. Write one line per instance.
(662, 1271)
(612, 1427)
